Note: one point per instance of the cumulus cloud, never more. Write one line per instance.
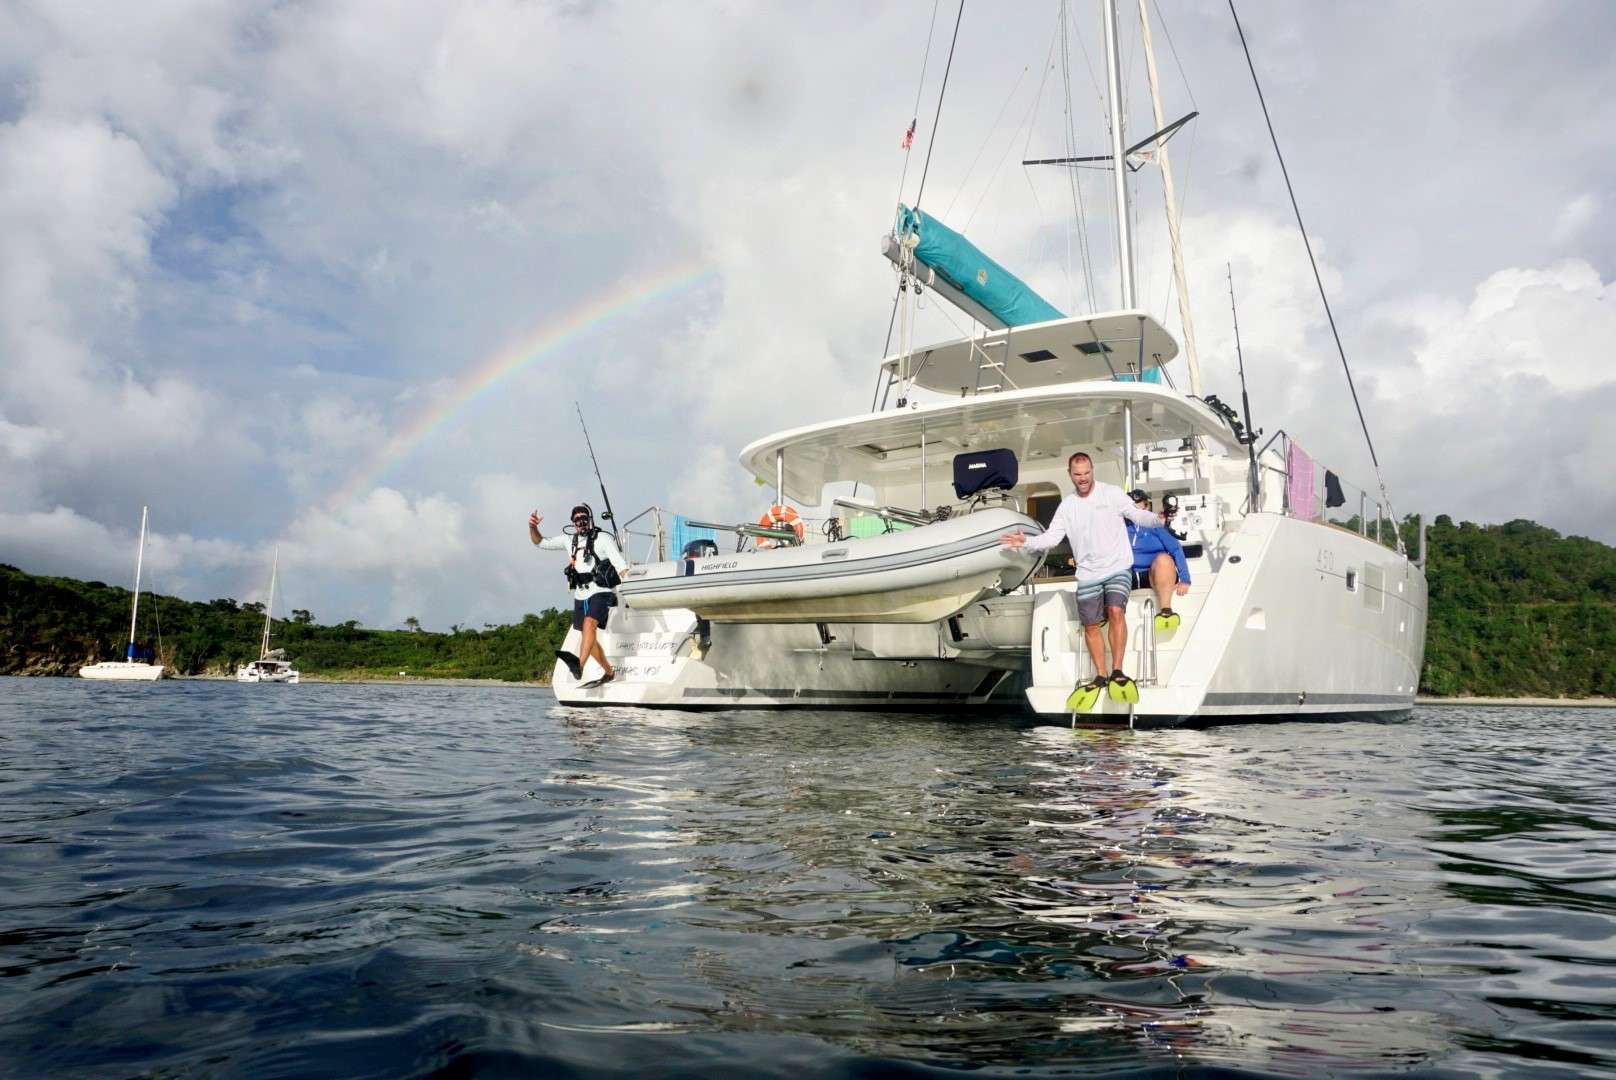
(253, 255)
(1575, 217)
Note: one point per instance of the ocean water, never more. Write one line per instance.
(209, 879)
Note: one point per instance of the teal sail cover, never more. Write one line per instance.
(973, 273)
(979, 277)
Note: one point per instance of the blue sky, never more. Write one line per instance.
(244, 246)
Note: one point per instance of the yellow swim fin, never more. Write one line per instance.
(1167, 620)
(1083, 698)
(1124, 691)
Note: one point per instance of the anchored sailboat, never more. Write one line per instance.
(129, 669)
(272, 666)
(1288, 612)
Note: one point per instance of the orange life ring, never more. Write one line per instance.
(780, 517)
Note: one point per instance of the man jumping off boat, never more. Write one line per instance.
(1093, 521)
(596, 566)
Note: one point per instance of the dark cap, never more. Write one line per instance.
(582, 508)
(1139, 495)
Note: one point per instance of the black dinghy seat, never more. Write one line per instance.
(984, 470)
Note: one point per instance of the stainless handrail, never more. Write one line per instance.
(658, 536)
(1147, 643)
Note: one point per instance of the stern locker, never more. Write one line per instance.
(1060, 656)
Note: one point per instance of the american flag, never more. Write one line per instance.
(909, 136)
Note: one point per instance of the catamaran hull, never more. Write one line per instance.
(917, 576)
(1299, 619)
(663, 661)
(248, 676)
(121, 671)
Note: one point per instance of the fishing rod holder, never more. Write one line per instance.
(756, 532)
(888, 514)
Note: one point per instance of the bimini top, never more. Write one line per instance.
(1042, 354)
(1046, 423)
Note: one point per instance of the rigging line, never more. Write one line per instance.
(1179, 63)
(903, 177)
(1032, 121)
(1066, 133)
(1074, 181)
(157, 611)
(1099, 94)
(983, 148)
(920, 88)
(1319, 281)
(897, 298)
(932, 142)
(997, 169)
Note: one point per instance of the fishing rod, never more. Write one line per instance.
(605, 498)
(1251, 433)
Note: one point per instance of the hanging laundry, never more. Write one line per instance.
(1299, 494)
(1333, 495)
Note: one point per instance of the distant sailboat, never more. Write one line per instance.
(272, 664)
(128, 669)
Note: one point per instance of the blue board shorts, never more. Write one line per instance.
(1094, 597)
(597, 607)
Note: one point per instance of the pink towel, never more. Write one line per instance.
(1299, 488)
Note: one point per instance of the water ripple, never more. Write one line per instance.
(378, 881)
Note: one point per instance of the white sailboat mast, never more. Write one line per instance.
(1190, 356)
(1119, 162)
(140, 555)
(269, 608)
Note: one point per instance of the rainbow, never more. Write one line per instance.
(528, 350)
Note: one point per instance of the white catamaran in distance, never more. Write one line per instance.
(1286, 614)
(272, 666)
(128, 669)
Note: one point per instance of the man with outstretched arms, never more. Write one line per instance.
(1093, 521)
(596, 566)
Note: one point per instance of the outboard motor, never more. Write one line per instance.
(699, 549)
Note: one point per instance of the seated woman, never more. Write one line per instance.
(1158, 563)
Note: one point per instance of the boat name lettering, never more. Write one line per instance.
(707, 568)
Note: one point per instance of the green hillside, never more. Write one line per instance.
(1519, 609)
(1516, 609)
(52, 625)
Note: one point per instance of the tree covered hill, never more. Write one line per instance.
(1519, 609)
(52, 625)
(1516, 609)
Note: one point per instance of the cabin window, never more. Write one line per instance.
(1037, 356)
(1352, 579)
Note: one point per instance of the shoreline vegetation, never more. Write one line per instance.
(1518, 615)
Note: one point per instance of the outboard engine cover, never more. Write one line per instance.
(700, 549)
(984, 470)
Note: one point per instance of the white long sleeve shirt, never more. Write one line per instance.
(606, 550)
(1094, 527)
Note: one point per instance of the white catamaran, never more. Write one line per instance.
(272, 666)
(129, 669)
(1287, 612)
